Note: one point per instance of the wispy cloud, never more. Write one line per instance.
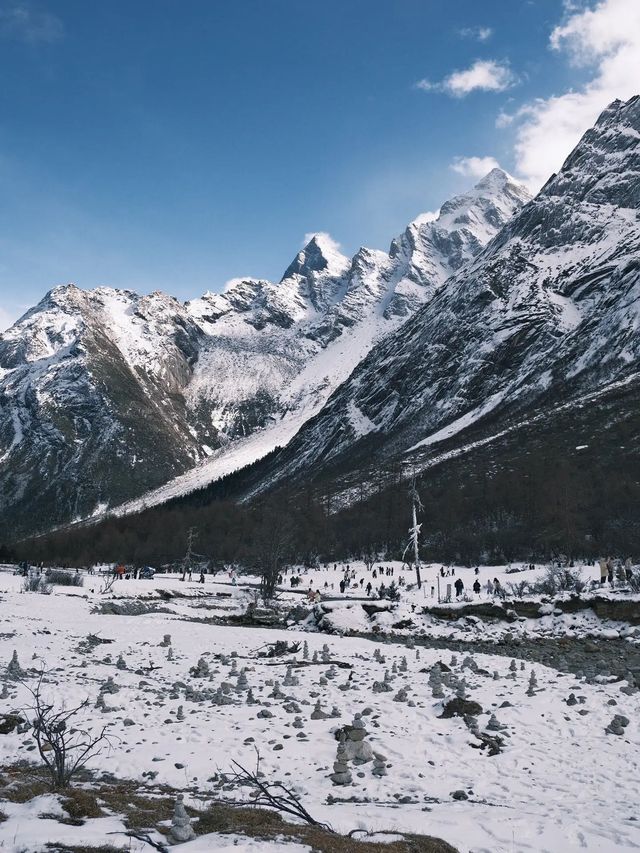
(485, 75)
(477, 33)
(604, 37)
(27, 23)
(474, 167)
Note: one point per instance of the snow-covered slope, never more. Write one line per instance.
(106, 394)
(274, 353)
(547, 313)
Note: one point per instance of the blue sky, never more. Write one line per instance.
(156, 144)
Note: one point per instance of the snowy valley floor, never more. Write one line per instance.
(560, 782)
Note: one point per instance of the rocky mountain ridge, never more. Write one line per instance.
(106, 394)
(544, 317)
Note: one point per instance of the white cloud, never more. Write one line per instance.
(24, 22)
(474, 167)
(604, 37)
(427, 216)
(478, 33)
(486, 75)
(325, 239)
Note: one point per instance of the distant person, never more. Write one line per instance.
(477, 587)
(610, 571)
(201, 580)
(603, 571)
(628, 571)
(459, 587)
(497, 588)
(369, 588)
(489, 587)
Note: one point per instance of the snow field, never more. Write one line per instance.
(560, 784)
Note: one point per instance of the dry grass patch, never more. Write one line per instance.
(268, 825)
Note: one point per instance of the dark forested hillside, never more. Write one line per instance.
(568, 485)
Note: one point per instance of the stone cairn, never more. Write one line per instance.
(513, 669)
(378, 656)
(379, 766)
(401, 695)
(121, 663)
(181, 829)
(170, 653)
(305, 651)
(357, 748)
(201, 669)
(461, 689)
(341, 774)
(14, 670)
(109, 686)
(494, 725)
(435, 680)
(180, 713)
(533, 683)
(166, 641)
(383, 686)
(318, 713)
(242, 683)
(617, 725)
(5, 691)
(331, 672)
(403, 666)
(326, 654)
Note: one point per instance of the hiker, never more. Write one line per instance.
(610, 571)
(459, 587)
(603, 570)
(369, 588)
(489, 587)
(497, 589)
(342, 587)
(476, 587)
(201, 578)
(317, 598)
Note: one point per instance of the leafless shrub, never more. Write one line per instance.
(273, 795)
(60, 577)
(36, 583)
(557, 579)
(64, 747)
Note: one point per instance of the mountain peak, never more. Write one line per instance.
(321, 254)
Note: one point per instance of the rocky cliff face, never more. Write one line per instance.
(106, 394)
(544, 317)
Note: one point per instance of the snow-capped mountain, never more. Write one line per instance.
(545, 317)
(106, 394)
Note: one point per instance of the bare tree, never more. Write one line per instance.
(64, 747)
(414, 530)
(273, 795)
(273, 546)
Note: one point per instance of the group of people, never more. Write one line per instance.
(610, 567)
(493, 587)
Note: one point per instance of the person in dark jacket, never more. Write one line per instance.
(459, 587)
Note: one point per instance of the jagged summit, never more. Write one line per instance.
(113, 393)
(320, 254)
(545, 314)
